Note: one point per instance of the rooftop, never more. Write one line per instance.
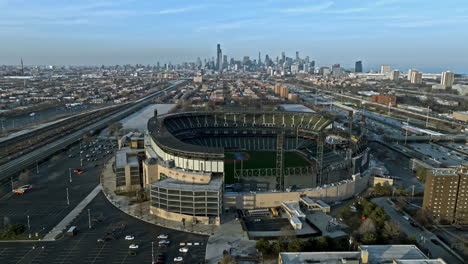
(171, 183)
(126, 156)
(382, 253)
(320, 257)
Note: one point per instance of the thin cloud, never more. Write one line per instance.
(307, 9)
(178, 10)
(348, 11)
(428, 22)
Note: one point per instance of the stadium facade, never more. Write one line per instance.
(191, 179)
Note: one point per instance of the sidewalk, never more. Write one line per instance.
(142, 210)
(232, 238)
(62, 225)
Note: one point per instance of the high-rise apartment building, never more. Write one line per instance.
(219, 57)
(336, 69)
(446, 194)
(416, 77)
(447, 79)
(281, 90)
(358, 66)
(385, 69)
(394, 75)
(410, 72)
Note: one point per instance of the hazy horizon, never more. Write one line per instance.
(427, 35)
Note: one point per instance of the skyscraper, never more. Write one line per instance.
(358, 66)
(385, 69)
(297, 55)
(444, 194)
(225, 62)
(219, 57)
(22, 67)
(410, 72)
(259, 59)
(447, 79)
(283, 57)
(394, 75)
(416, 77)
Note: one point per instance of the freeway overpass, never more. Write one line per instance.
(13, 167)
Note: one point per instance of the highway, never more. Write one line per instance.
(15, 166)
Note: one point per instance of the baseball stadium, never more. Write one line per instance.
(198, 163)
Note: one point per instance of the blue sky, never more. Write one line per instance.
(426, 34)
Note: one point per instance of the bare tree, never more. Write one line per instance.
(392, 229)
(228, 259)
(368, 226)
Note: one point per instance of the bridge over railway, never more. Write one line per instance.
(69, 136)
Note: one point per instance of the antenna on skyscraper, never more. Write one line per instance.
(22, 67)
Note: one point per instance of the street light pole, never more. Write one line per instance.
(89, 218)
(406, 132)
(69, 171)
(68, 198)
(37, 167)
(29, 226)
(152, 252)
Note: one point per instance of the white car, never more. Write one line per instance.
(129, 237)
(164, 242)
(163, 236)
(133, 246)
(178, 259)
(183, 250)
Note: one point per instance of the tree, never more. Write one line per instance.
(367, 207)
(379, 216)
(295, 245)
(392, 229)
(367, 226)
(278, 246)
(369, 238)
(263, 246)
(382, 190)
(423, 217)
(228, 259)
(401, 202)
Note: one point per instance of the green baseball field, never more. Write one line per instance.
(257, 160)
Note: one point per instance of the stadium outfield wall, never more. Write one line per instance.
(336, 192)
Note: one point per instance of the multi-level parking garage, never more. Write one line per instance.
(190, 155)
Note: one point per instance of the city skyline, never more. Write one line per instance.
(398, 33)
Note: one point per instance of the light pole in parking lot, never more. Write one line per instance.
(152, 252)
(68, 199)
(89, 218)
(69, 172)
(37, 167)
(29, 226)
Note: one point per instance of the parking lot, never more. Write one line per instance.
(46, 203)
(84, 247)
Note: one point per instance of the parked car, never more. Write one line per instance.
(163, 236)
(129, 237)
(183, 250)
(133, 246)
